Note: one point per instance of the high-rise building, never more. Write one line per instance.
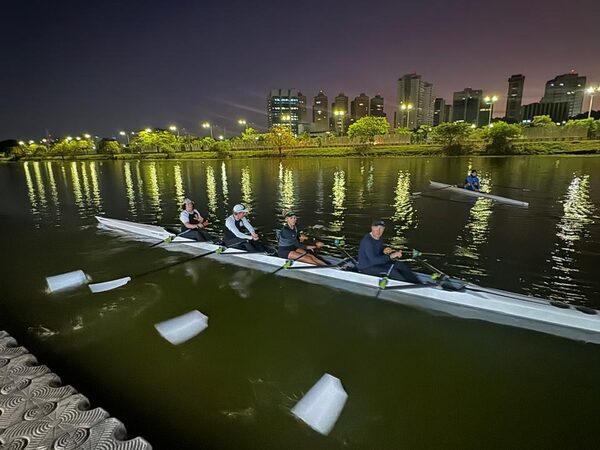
(321, 113)
(339, 113)
(440, 111)
(282, 108)
(558, 111)
(448, 112)
(466, 105)
(302, 116)
(359, 107)
(414, 102)
(569, 88)
(514, 98)
(376, 106)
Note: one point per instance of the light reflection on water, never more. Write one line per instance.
(577, 218)
(405, 214)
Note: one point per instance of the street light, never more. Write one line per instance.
(173, 128)
(407, 107)
(221, 137)
(339, 113)
(490, 101)
(591, 91)
(21, 142)
(208, 125)
(242, 122)
(87, 136)
(123, 133)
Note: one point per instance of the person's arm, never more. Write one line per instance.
(183, 217)
(248, 226)
(230, 224)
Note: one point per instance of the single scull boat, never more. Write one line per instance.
(472, 302)
(460, 190)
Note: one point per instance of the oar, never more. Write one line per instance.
(383, 282)
(113, 284)
(513, 187)
(288, 263)
(339, 243)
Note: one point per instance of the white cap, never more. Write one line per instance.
(239, 208)
(187, 201)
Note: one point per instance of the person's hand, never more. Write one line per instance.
(319, 244)
(254, 237)
(205, 223)
(311, 247)
(387, 251)
(396, 254)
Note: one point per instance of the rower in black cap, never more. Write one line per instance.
(376, 259)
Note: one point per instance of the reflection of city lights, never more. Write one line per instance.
(153, 189)
(129, 188)
(338, 196)
(77, 192)
(53, 188)
(477, 228)
(578, 214)
(286, 188)
(178, 177)
(246, 187)
(30, 188)
(224, 182)
(96, 196)
(41, 191)
(211, 190)
(404, 213)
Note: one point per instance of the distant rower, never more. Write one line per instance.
(375, 259)
(290, 243)
(193, 223)
(239, 232)
(472, 182)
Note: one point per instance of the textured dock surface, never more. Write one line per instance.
(37, 412)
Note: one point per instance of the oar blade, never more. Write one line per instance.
(108, 285)
(66, 281)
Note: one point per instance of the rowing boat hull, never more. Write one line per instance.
(490, 305)
(497, 198)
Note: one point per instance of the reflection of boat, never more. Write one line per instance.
(496, 198)
(470, 301)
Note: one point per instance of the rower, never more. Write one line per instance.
(193, 223)
(291, 243)
(375, 259)
(240, 233)
(472, 182)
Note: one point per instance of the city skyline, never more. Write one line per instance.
(93, 67)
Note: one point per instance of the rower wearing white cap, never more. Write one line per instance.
(240, 233)
(193, 223)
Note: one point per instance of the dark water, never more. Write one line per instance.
(415, 380)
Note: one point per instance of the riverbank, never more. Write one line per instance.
(520, 148)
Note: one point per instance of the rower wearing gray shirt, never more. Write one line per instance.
(240, 233)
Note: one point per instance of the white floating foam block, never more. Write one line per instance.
(108, 285)
(66, 280)
(182, 328)
(322, 405)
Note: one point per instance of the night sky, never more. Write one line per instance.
(103, 66)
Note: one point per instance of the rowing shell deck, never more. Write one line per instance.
(463, 191)
(474, 302)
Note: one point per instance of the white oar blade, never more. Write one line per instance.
(66, 280)
(182, 328)
(322, 405)
(108, 285)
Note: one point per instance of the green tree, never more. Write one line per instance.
(593, 126)
(280, 136)
(366, 128)
(249, 135)
(109, 147)
(453, 136)
(499, 137)
(542, 121)
(223, 148)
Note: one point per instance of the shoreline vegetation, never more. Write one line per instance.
(368, 136)
(588, 147)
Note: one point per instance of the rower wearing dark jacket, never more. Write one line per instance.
(291, 243)
(375, 259)
(239, 232)
(193, 223)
